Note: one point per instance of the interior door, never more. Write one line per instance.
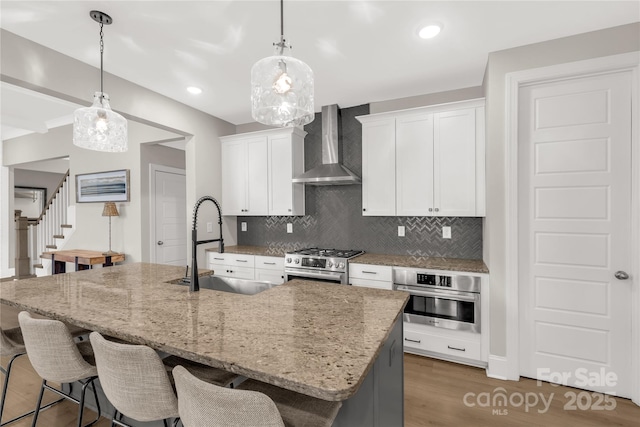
(574, 232)
(171, 218)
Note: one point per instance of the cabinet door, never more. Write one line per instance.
(379, 168)
(257, 187)
(234, 182)
(455, 163)
(414, 165)
(272, 276)
(286, 160)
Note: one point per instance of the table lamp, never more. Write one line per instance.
(110, 210)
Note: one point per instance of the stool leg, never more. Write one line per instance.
(37, 410)
(6, 373)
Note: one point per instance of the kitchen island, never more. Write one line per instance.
(337, 343)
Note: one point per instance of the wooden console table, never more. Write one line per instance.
(83, 259)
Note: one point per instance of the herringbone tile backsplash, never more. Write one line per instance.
(334, 213)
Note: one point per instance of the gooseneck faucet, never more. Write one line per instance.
(194, 285)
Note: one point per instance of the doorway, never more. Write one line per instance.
(168, 216)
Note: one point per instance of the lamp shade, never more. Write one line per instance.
(110, 209)
(282, 91)
(99, 128)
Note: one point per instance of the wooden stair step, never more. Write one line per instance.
(66, 226)
(38, 266)
(58, 236)
(51, 247)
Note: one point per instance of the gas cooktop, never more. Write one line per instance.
(328, 253)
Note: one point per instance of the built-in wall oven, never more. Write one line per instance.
(324, 265)
(443, 301)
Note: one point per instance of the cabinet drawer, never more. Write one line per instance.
(230, 259)
(370, 272)
(270, 262)
(233, 271)
(378, 284)
(444, 345)
(272, 276)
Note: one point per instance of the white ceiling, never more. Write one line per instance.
(360, 51)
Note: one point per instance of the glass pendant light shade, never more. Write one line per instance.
(99, 128)
(282, 91)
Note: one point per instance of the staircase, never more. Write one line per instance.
(53, 228)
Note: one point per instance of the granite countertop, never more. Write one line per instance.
(314, 338)
(251, 250)
(430, 263)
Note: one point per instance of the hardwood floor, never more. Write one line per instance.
(434, 396)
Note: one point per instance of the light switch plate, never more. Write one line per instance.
(446, 232)
(243, 226)
(289, 228)
(401, 231)
(209, 227)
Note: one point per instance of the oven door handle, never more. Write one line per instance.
(462, 296)
(312, 274)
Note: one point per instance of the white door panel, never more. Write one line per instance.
(574, 228)
(170, 218)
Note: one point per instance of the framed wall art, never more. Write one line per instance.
(111, 186)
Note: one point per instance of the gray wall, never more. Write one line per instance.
(334, 213)
(31, 178)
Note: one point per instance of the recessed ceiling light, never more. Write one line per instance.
(194, 90)
(429, 31)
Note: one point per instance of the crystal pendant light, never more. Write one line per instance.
(98, 127)
(282, 87)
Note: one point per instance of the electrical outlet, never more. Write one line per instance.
(243, 226)
(446, 232)
(401, 231)
(209, 227)
(289, 228)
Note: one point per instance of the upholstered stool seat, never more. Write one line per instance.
(56, 357)
(252, 404)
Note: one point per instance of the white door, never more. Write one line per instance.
(170, 218)
(574, 232)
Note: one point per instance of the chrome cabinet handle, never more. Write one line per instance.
(454, 348)
(415, 341)
(219, 259)
(364, 209)
(369, 272)
(621, 275)
(241, 260)
(269, 263)
(160, 243)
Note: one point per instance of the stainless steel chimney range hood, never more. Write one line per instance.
(331, 171)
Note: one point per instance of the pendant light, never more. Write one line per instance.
(98, 127)
(282, 87)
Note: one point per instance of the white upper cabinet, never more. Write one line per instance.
(257, 173)
(244, 172)
(378, 168)
(286, 161)
(437, 164)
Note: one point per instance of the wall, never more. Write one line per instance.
(427, 99)
(334, 213)
(595, 44)
(29, 65)
(31, 178)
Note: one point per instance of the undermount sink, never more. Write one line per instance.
(228, 284)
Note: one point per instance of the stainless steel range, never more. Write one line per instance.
(327, 265)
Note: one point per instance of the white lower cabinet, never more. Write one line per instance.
(371, 276)
(423, 339)
(269, 269)
(251, 267)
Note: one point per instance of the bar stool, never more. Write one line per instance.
(56, 357)
(136, 382)
(252, 404)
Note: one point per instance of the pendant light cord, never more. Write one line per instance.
(101, 54)
(282, 41)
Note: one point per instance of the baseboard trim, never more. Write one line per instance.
(498, 368)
